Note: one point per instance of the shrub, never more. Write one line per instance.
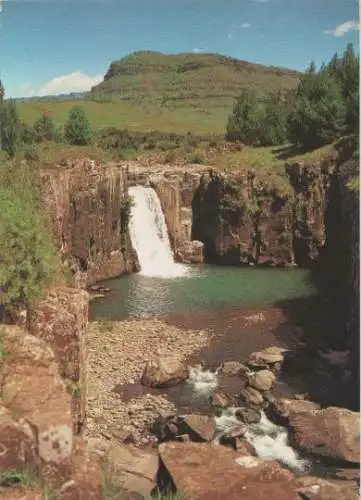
(28, 260)
(44, 128)
(10, 127)
(77, 129)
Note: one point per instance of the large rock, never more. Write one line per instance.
(267, 357)
(332, 432)
(132, 469)
(207, 472)
(279, 410)
(33, 390)
(232, 368)
(251, 396)
(164, 372)
(198, 427)
(17, 442)
(190, 252)
(315, 488)
(263, 380)
(61, 320)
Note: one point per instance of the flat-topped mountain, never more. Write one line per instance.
(203, 79)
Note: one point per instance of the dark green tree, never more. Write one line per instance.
(319, 111)
(246, 120)
(44, 128)
(10, 127)
(77, 129)
(273, 129)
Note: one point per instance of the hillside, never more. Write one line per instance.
(201, 79)
(171, 93)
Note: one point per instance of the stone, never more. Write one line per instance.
(132, 469)
(331, 432)
(232, 368)
(219, 400)
(206, 472)
(266, 357)
(245, 448)
(191, 252)
(33, 389)
(164, 372)
(198, 427)
(316, 488)
(263, 380)
(248, 415)
(86, 475)
(17, 443)
(251, 396)
(280, 410)
(21, 493)
(61, 321)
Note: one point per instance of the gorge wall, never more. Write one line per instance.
(87, 206)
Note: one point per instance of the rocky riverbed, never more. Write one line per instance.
(117, 355)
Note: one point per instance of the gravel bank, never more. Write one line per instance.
(117, 354)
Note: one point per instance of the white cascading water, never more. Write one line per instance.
(149, 235)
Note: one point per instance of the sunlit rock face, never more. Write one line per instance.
(85, 203)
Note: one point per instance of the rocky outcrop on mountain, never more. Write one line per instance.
(87, 206)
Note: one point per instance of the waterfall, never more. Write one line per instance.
(149, 235)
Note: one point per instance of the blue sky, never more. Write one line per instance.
(54, 46)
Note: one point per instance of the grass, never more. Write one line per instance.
(170, 93)
(3, 353)
(27, 478)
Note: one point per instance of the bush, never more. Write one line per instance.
(10, 127)
(77, 129)
(28, 260)
(44, 128)
(245, 123)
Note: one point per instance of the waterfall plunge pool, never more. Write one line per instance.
(202, 289)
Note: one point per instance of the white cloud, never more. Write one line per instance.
(64, 84)
(343, 28)
(73, 82)
(235, 28)
(197, 51)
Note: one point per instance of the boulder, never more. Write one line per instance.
(132, 469)
(206, 472)
(219, 400)
(190, 252)
(248, 415)
(232, 368)
(331, 432)
(267, 357)
(263, 380)
(279, 410)
(17, 442)
(198, 427)
(33, 389)
(251, 396)
(164, 372)
(315, 488)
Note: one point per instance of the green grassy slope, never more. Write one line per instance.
(174, 93)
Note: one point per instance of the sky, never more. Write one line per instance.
(61, 46)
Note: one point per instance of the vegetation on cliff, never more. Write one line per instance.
(27, 255)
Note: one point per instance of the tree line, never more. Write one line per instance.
(324, 107)
(15, 133)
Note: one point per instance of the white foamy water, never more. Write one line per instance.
(149, 235)
(204, 381)
(269, 440)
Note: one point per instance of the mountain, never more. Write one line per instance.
(201, 80)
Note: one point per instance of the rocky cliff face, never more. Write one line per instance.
(249, 218)
(86, 203)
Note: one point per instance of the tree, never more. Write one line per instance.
(10, 127)
(77, 129)
(44, 128)
(273, 130)
(319, 111)
(245, 122)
